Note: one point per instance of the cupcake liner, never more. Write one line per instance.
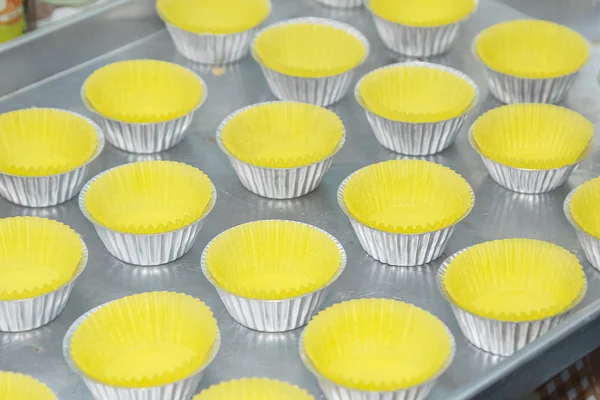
(19, 386)
(342, 3)
(27, 314)
(338, 391)
(524, 180)
(53, 189)
(589, 243)
(145, 137)
(277, 183)
(182, 389)
(322, 91)
(254, 389)
(401, 249)
(417, 41)
(147, 248)
(515, 82)
(274, 315)
(501, 337)
(417, 138)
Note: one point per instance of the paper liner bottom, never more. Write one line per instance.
(511, 89)
(145, 138)
(415, 41)
(210, 48)
(319, 91)
(281, 183)
(415, 139)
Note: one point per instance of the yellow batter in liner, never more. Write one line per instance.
(253, 389)
(422, 13)
(14, 386)
(585, 207)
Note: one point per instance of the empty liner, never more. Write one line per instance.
(582, 211)
(404, 211)
(531, 60)
(148, 197)
(145, 340)
(37, 256)
(370, 347)
(506, 293)
(311, 60)
(253, 389)
(531, 148)
(416, 108)
(282, 134)
(44, 141)
(15, 386)
(273, 275)
(143, 91)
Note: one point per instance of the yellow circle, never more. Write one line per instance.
(515, 279)
(532, 49)
(14, 386)
(585, 207)
(253, 389)
(422, 13)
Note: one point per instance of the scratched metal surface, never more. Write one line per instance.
(498, 213)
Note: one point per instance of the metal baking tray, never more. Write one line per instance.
(498, 213)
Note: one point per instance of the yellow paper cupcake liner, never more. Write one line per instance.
(407, 196)
(309, 49)
(214, 16)
(14, 386)
(423, 13)
(585, 207)
(143, 91)
(149, 197)
(254, 389)
(37, 255)
(416, 93)
(282, 134)
(532, 136)
(145, 340)
(273, 259)
(377, 344)
(44, 141)
(515, 280)
(532, 49)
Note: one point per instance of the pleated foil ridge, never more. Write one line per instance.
(182, 390)
(415, 139)
(151, 249)
(273, 315)
(500, 337)
(42, 191)
(527, 181)
(416, 41)
(320, 91)
(280, 183)
(145, 138)
(402, 249)
(342, 3)
(511, 89)
(27, 314)
(337, 392)
(211, 48)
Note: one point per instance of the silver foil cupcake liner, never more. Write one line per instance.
(417, 41)
(499, 337)
(213, 49)
(27, 314)
(147, 249)
(589, 243)
(183, 389)
(334, 391)
(49, 190)
(274, 315)
(399, 249)
(149, 137)
(342, 3)
(417, 139)
(277, 183)
(323, 91)
(529, 181)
